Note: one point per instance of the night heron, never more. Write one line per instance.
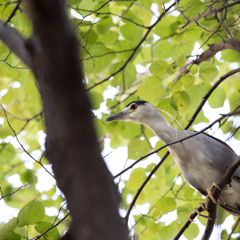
(202, 159)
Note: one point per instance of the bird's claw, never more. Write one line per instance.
(209, 195)
(199, 213)
(215, 185)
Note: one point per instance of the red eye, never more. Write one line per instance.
(134, 106)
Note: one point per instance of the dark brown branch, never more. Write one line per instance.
(216, 193)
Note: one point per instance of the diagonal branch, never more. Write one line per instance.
(13, 12)
(216, 193)
(15, 42)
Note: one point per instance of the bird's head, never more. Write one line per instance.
(137, 112)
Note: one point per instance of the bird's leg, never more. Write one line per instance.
(209, 195)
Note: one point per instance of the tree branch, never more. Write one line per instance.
(13, 12)
(209, 53)
(211, 206)
(71, 143)
(187, 224)
(205, 13)
(15, 42)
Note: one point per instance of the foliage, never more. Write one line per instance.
(130, 50)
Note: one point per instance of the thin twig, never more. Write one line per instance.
(13, 12)
(3, 196)
(23, 146)
(135, 49)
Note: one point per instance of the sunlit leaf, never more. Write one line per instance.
(31, 213)
(151, 90)
(7, 230)
(207, 71)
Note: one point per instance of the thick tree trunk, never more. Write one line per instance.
(72, 146)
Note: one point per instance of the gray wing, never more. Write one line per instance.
(218, 153)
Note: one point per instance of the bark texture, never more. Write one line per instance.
(72, 148)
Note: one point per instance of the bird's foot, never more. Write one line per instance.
(209, 195)
(199, 213)
(215, 185)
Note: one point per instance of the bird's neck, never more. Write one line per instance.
(162, 129)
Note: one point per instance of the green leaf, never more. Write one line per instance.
(162, 49)
(196, 93)
(8, 154)
(28, 176)
(104, 25)
(194, 69)
(187, 80)
(224, 234)
(207, 71)
(167, 105)
(170, 231)
(193, 8)
(166, 205)
(22, 232)
(181, 60)
(131, 32)
(137, 148)
(182, 101)
(136, 179)
(4, 132)
(153, 227)
(230, 55)
(217, 98)
(162, 29)
(151, 90)
(158, 68)
(42, 227)
(7, 230)
(31, 213)
(183, 213)
(192, 232)
(96, 99)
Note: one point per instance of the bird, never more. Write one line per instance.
(202, 159)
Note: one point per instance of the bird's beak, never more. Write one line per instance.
(116, 117)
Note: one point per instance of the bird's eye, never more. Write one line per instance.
(134, 106)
